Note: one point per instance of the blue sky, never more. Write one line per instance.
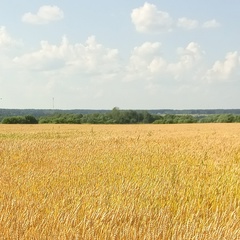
(130, 54)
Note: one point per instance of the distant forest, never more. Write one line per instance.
(117, 116)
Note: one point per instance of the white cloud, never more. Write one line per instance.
(211, 24)
(188, 62)
(45, 14)
(94, 58)
(224, 70)
(187, 23)
(76, 71)
(141, 59)
(47, 58)
(89, 58)
(5, 39)
(147, 49)
(97, 63)
(8, 48)
(147, 62)
(148, 19)
(158, 64)
(82, 71)
(193, 50)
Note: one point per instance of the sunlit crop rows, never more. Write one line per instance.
(120, 181)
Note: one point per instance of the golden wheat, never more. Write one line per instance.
(120, 181)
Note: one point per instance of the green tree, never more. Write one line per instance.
(30, 120)
(226, 118)
(20, 120)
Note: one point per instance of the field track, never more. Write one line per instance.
(120, 181)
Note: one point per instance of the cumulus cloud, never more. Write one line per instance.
(189, 59)
(90, 57)
(211, 24)
(45, 15)
(148, 19)
(147, 49)
(224, 70)
(80, 70)
(157, 65)
(147, 62)
(187, 23)
(5, 39)
(92, 60)
(47, 58)
(95, 58)
(140, 62)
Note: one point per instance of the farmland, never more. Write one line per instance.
(120, 181)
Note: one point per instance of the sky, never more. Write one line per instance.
(80, 54)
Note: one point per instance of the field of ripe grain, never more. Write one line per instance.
(120, 182)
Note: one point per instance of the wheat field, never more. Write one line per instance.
(120, 181)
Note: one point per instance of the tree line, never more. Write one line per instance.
(117, 116)
(47, 112)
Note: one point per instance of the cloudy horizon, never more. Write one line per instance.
(137, 55)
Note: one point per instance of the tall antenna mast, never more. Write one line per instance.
(53, 102)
